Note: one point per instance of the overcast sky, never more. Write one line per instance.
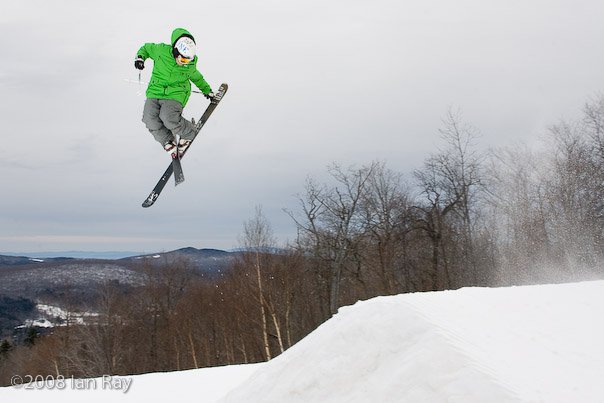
(311, 82)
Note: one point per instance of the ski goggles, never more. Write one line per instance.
(184, 60)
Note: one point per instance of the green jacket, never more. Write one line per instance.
(169, 80)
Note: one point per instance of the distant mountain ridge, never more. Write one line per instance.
(109, 255)
(11, 258)
(207, 260)
(34, 278)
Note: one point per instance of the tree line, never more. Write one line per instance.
(466, 217)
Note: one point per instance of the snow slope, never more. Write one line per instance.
(201, 385)
(519, 344)
(537, 343)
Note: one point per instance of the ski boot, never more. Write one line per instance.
(171, 148)
(183, 145)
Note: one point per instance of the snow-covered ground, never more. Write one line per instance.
(55, 316)
(519, 344)
(203, 385)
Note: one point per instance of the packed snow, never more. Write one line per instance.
(65, 317)
(55, 316)
(202, 385)
(42, 322)
(519, 344)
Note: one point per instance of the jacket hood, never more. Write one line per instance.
(179, 32)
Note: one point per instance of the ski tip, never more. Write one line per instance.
(150, 200)
(220, 93)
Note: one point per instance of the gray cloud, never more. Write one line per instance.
(311, 82)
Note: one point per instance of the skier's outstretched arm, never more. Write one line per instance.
(148, 50)
(201, 83)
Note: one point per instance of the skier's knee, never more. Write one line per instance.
(171, 119)
(152, 122)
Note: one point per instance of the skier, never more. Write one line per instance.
(174, 66)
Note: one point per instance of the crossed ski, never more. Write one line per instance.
(175, 166)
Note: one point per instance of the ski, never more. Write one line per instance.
(179, 176)
(150, 200)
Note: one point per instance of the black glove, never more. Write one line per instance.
(139, 63)
(209, 95)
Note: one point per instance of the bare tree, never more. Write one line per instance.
(449, 184)
(593, 125)
(258, 240)
(518, 207)
(385, 206)
(332, 224)
(576, 190)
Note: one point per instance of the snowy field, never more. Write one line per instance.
(519, 344)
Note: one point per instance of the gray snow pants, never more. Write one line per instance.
(163, 118)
